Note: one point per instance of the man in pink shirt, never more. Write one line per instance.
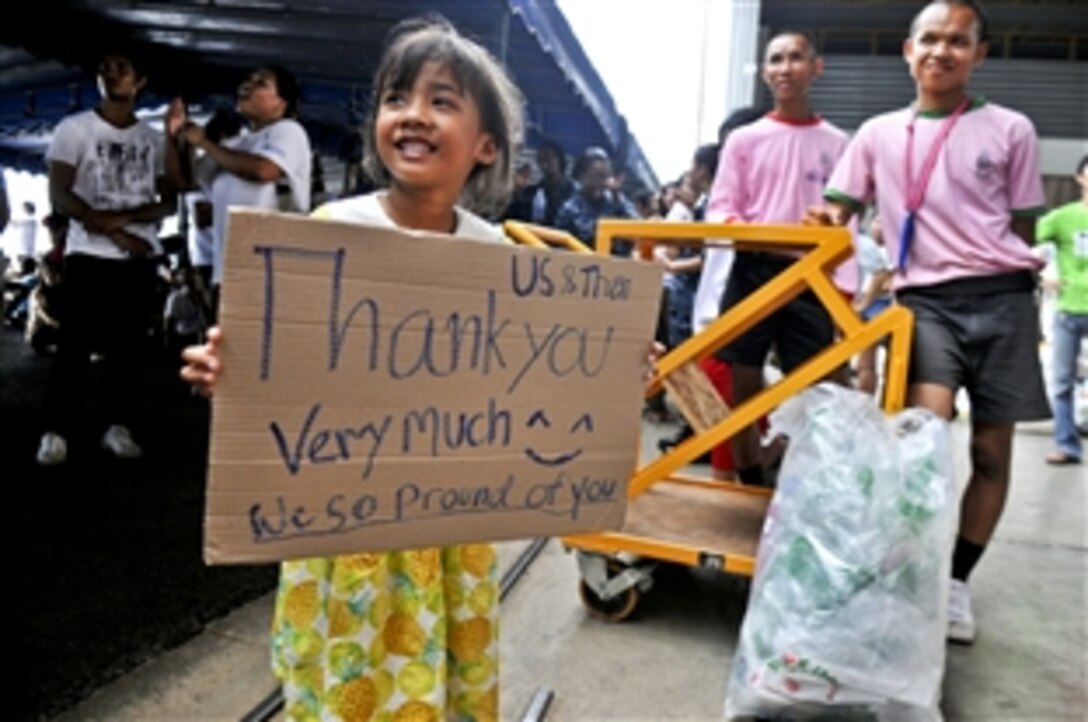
(957, 185)
(772, 171)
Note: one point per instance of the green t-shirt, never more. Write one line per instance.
(1067, 229)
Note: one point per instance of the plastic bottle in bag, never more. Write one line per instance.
(847, 613)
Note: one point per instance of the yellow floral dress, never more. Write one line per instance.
(407, 636)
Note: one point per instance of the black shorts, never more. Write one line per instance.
(799, 330)
(981, 334)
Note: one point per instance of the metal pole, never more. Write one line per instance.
(520, 566)
(266, 709)
(538, 706)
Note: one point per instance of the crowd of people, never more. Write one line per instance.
(949, 192)
(109, 281)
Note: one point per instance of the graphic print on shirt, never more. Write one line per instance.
(121, 171)
(985, 167)
(821, 176)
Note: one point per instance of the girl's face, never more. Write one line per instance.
(429, 136)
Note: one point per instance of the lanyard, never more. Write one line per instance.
(916, 190)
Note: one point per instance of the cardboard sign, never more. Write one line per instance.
(391, 390)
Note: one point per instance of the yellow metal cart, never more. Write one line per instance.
(696, 521)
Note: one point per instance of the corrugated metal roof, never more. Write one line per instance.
(1036, 60)
(1024, 17)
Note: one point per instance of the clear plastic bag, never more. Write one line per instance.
(847, 614)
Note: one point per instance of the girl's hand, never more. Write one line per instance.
(202, 365)
(653, 355)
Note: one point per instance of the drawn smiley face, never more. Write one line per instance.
(539, 418)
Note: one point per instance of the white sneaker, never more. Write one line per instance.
(961, 620)
(52, 450)
(118, 441)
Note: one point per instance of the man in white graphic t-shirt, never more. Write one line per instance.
(106, 174)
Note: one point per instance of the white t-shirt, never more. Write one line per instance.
(25, 231)
(717, 265)
(678, 213)
(116, 169)
(286, 144)
(368, 210)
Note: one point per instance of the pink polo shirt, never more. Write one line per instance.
(986, 173)
(772, 171)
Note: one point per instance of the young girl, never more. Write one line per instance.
(405, 635)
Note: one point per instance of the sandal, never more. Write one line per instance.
(1060, 458)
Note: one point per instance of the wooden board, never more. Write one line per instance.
(706, 518)
(695, 396)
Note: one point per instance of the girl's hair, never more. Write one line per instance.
(414, 43)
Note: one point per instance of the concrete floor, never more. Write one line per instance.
(671, 661)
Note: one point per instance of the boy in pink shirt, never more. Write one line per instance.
(772, 171)
(957, 185)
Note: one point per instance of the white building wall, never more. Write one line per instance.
(1058, 157)
(741, 54)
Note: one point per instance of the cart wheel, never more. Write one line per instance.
(615, 609)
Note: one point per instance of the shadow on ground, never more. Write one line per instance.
(106, 569)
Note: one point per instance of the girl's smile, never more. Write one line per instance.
(429, 135)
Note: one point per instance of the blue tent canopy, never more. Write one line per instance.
(201, 49)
